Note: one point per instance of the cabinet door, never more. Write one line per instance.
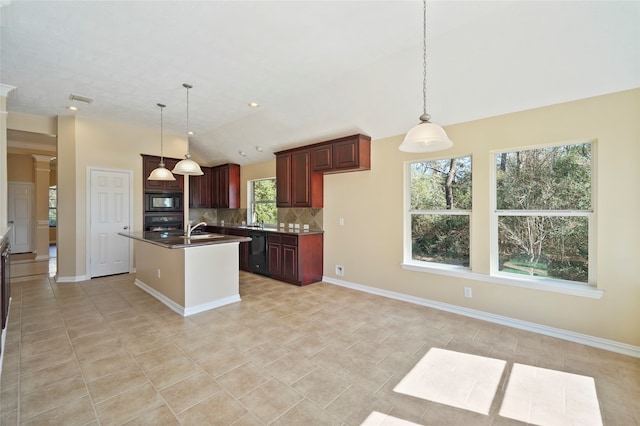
(283, 180)
(321, 157)
(200, 189)
(290, 262)
(274, 251)
(223, 187)
(148, 164)
(345, 154)
(173, 185)
(300, 179)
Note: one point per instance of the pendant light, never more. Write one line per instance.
(426, 136)
(187, 166)
(160, 172)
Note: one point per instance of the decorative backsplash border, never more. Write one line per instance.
(300, 216)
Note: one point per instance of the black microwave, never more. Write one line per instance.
(163, 202)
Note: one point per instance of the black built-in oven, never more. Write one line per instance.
(163, 202)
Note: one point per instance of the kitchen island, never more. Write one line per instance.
(189, 275)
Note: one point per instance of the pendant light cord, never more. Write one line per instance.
(161, 136)
(187, 86)
(424, 117)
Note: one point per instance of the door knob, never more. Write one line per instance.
(10, 221)
(125, 228)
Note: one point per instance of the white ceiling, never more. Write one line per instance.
(318, 69)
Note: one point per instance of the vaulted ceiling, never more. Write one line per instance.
(318, 69)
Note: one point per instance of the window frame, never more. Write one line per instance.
(251, 202)
(495, 214)
(412, 264)
(55, 189)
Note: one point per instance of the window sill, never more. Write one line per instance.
(538, 284)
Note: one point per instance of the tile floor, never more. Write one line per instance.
(103, 352)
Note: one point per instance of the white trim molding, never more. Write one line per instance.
(5, 89)
(585, 339)
(533, 283)
(75, 279)
(181, 310)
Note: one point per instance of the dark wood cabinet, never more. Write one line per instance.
(200, 189)
(295, 258)
(244, 247)
(225, 186)
(149, 163)
(348, 154)
(283, 180)
(5, 287)
(296, 184)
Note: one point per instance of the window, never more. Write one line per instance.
(543, 218)
(53, 206)
(262, 201)
(438, 211)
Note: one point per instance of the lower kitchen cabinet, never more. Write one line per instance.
(295, 258)
(244, 247)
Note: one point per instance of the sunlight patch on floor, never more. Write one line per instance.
(379, 419)
(549, 397)
(456, 379)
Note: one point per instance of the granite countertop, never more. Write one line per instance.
(274, 229)
(4, 233)
(177, 240)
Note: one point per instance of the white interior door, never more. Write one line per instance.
(20, 217)
(109, 205)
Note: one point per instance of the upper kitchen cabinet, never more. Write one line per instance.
(297, 185)
(225, 186)
(150, 162)
(348, 154)
(200, 189)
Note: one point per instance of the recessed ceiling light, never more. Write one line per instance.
(244, 154)
(258, 148)
(253, 104)
(190, 133)
(73, 108)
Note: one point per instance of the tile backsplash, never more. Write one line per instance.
(301, 216)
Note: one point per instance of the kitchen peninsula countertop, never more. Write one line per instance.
(177, 239)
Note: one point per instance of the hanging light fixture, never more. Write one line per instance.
(160, 172)
(426, 136)
(187, 166)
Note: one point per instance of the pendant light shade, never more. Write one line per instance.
(426, 136)
(160, 172)
(187, 166)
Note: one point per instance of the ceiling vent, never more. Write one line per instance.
(80, 98)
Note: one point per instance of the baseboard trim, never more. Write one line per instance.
(211, 305)
(161, 297)
(585, 339)
(75, 279)
(185, 312)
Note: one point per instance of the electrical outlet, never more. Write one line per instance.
(341, 221)
(468, 293)
(339, 270)
(158, 273)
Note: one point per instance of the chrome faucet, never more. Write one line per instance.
(190, 228)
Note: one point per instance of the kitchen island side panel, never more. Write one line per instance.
(170, 281)
(212, 274)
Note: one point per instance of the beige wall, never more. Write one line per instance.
(371, 204)
(263, 170)
(20, 168)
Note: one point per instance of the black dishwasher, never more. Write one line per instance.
(258, 253)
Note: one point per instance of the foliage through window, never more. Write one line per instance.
(262, 201)
(439, 210)
(544, 211)
(53, 205)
